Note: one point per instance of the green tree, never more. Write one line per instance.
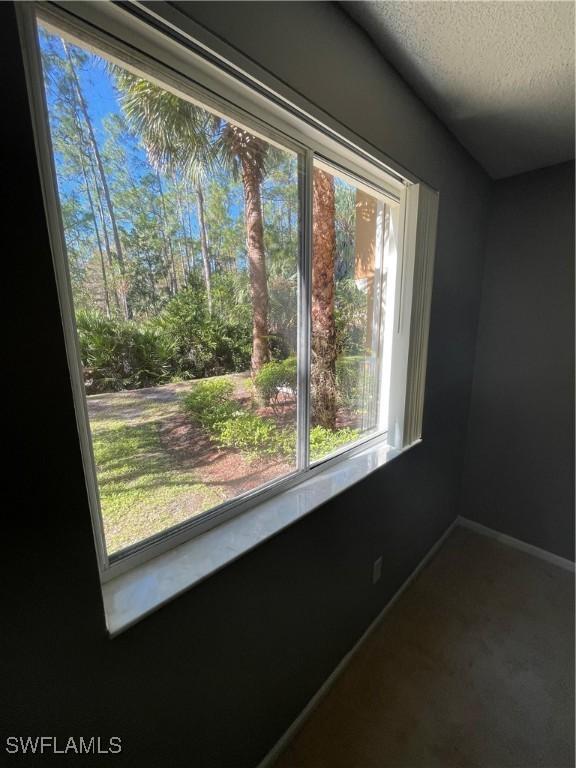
(177, 136)
(72, 60)
(180, 135)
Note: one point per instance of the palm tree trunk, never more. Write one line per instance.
(323, 373)
(102, 173)
(251, 152)
(251, 180)
(204, 245)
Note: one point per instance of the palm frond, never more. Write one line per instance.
(180, 136)
(176, 134)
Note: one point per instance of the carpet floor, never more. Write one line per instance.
(473, 667)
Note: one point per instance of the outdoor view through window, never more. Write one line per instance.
(183, 236)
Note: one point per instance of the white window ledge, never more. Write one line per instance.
(131, 596)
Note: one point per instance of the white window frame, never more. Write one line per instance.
(188, 68)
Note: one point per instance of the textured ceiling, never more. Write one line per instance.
(500, 74)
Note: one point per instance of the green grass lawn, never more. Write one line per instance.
(143, 490)
(158, 465)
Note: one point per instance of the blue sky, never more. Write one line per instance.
(102, 101)
(97, 86)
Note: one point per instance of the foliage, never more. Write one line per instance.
(206, 345)
(275, 379)
(212, 405)
(256, 435)
(143, 490)
(129, 162)
(182, 341)
(120, 354)
(324, 441)
(175, 132)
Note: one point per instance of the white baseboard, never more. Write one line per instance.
(329, 682)
(472, 525)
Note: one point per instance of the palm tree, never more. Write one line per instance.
(178, 134)
(323, 373)
(250, 151)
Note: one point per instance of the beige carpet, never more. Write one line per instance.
(473, 667)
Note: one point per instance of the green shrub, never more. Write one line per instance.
(120, 354)
(183, 341)
(210, 403)
(324, 441)
(206, 345)
(274, 376)
(255, 435)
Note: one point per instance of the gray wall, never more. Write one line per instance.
(215, 677)
(519, 472)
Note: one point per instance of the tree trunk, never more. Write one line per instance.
(204, 245)
(251, 162)
(93, 213)
(185, 258)
(100, 209)
(187, 206)
(166, 237)
(97, 231)
(108, 250)
(323, 373)
(104, 181)
(251, 152)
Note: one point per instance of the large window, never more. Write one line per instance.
(182, 241)
(235, 289)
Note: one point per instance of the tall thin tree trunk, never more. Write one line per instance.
(166, 268)
(204, 245)
(152, 283)
(187, 206)
(323, 373)
(99, 241)
(165, 236)
(186, 257)
(289, 221)
(100, 209)
(107, 247)
(93, 212)
(185, 265)
(104, 181)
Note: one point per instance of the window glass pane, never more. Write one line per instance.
(349, 224)
(182, 236)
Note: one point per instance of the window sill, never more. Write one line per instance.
(131, 596)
